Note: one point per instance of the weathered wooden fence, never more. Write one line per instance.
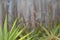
(29, 11)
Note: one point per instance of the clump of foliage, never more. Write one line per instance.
(13, 33)
(21, 33)
(52, 34)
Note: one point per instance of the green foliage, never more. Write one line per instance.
(51, 34)
(13, 33)
(18, 33)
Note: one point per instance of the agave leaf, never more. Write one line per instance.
(33, 36)
(1, 35)
(58, 35)
(5, 29)
(14, 24)
(30, 38)
(57, 38)
(47, 32)
(51, 33)
(19, 33)
(14, 33)
(25, 36)
(54, 31)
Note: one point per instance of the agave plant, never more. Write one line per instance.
(13, 33)
(51, 34)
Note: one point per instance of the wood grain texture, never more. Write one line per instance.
(30, 11)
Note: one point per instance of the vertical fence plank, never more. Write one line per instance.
(12, 11)
(0, 12)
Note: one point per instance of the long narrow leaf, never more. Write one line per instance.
(5, 29)
(19, 33)
(13, 25)
(25, 36)
(12, 34)
(1, 37)
(47, 32)
(55, 29)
